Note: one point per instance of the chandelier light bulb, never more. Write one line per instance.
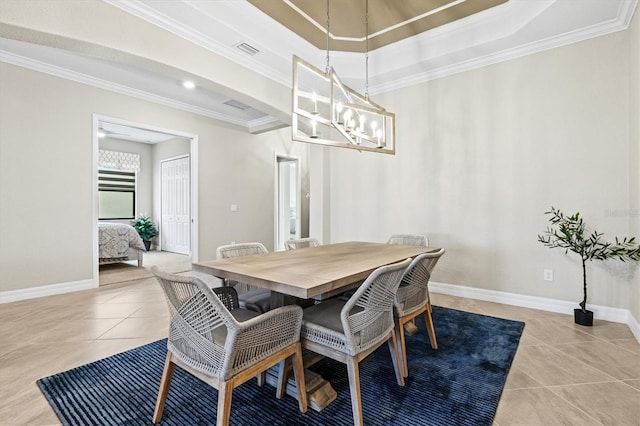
(338, 111)
(379, 136)
(347, 119)
(314, 97)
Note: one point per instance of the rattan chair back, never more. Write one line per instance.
(413, 292)
(238, 250)
(301, 243)
(409, 240)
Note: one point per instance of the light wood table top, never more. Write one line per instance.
(314, 272)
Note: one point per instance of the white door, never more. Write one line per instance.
(288, 202)
(176, 219)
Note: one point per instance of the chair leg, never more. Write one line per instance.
(393, 348)
(224, 403)
(298, 372)
(399, 333)
(262, 378)
(354, 390)
(283, 376)
(432, 331)
(163, 391)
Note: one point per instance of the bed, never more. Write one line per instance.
(118, 242)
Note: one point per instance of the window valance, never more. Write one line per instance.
(118, 160)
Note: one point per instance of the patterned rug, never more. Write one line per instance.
(458, 384)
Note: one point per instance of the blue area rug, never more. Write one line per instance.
(458, 384)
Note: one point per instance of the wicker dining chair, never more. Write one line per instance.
(409, 240)
(301, 243)
(251, 297)
(348, 331)
(412, 299)
(213, 339)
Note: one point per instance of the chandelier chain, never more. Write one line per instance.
(366, 54)
(326, 70)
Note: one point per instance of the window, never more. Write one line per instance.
(116, 194)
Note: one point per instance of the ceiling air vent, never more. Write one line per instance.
(236, 104)
(247, 48)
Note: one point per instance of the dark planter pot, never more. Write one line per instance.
(147, 245)
(583, 318)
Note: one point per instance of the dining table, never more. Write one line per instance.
(310, 273)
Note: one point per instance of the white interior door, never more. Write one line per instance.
(288, 204)
(175, 227)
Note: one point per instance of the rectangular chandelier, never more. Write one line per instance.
(327, 112)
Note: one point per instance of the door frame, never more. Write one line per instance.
(193, 166)
(276, 192)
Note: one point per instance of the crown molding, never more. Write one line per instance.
(173, 26)
(370, 36)
(619, 23)
(528, 12)
(67, 74)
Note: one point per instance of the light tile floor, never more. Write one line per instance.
(562, 374)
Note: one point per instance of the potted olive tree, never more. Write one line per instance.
(146, 229)
(570, 233)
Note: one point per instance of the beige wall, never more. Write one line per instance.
(46, 176)
(483, 154)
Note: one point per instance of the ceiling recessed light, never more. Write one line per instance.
(101, 134)
(188, 84)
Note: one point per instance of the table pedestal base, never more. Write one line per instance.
(410, 328)
(320, 393)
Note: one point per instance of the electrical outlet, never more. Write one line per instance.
(548, 274)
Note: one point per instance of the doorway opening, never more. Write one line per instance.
(288, 204)
(155, 146)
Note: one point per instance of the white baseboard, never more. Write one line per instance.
(634, 326)
(45, 290)
(551, 305)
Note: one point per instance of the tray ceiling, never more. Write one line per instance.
(388, 21)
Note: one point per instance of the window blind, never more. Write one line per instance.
(116, 180)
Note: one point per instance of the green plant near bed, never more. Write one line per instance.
(145, 227)
(570, 233)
